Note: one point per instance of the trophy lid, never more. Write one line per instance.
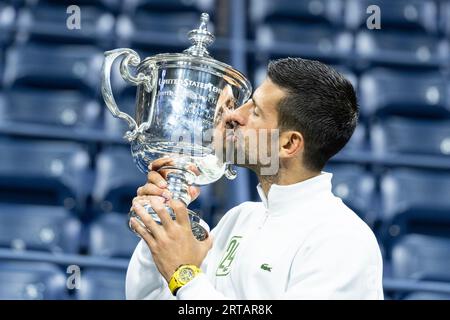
(200, 38)
(197, 57)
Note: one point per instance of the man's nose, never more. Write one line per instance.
(236, 118)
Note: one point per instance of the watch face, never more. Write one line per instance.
(186, 275)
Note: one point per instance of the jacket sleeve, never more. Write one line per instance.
(143, 280)
(340, 266)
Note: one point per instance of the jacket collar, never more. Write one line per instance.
(284, 198)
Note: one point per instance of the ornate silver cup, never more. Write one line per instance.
(179, 102)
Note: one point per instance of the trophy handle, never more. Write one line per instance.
(131, 59)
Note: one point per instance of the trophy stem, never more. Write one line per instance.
(179, 187)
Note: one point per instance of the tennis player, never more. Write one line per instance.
(300, 241)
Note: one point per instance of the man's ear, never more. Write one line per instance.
(291, 144)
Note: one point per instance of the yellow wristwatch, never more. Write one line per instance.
(183, 275)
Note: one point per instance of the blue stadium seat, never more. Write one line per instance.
(409, 93)
(1, 67)
(316, 42)
(117, 180)
(309, 11)
(110, 236)
(99, 284)
(422, 257)
(105, 5)
(42, 228)
(400, 48)
(134, 6)
(427, 296)
(414, 200)
(63, 108)
(7, 21)
(356, 187)
(411, 136)
(420, 15)
(445, 17)
(43, 172)
(48, 23)
(31, 281)
(59, 67)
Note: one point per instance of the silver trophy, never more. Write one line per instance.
(180, 100)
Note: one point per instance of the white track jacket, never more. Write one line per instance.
(301, 242)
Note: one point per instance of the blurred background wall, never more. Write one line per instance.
(67, 177)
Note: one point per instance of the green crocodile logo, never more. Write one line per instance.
(266, 267)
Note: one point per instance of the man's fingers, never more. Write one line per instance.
(150, 189)
(147, 219)
(181, 212)
(194, 192)
(159, 207)
(192, 167)
(159, 163)
(143, 232)
(157, 179)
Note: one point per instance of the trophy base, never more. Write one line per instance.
(199, 227)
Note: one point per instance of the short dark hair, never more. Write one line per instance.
(320, 103)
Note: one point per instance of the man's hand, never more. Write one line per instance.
(171, 243)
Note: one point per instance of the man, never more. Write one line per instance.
(300, 242)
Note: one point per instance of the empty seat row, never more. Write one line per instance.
(414, 201)
(407, 93)
(421, 15)
(43, 172)
(57, 23)
(60, 22)
(31, 281)
(54, 229)
(418, 257)
(63, 67)
(119, 6)
(316, 42)
(22, 280)
(405, 136)
(422, 257)
(66, 108)
(367, 47)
